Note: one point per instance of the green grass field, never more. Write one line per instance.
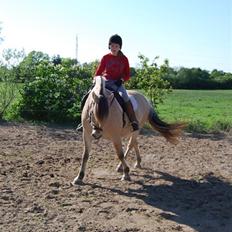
(205, 111)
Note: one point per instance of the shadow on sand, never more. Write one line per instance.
(212, 136)
(204, 205)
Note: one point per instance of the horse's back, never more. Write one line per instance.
(144, 107)
(138, 96)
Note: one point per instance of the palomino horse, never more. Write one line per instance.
(102, 117)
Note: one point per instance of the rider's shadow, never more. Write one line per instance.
(204, 205)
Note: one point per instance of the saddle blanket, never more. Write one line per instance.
(134, 102)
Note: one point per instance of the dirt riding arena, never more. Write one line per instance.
(187, 187)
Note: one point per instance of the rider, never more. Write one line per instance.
(114, 66)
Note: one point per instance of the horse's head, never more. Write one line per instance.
(100, 100)
(99, 88)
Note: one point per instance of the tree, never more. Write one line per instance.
(150, 80)
(216, 74)
(8, 73)
(12, 57)
(28, 66)
(55, 91)
(1, 39)
(56, 60)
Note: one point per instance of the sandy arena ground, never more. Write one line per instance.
(186, 188)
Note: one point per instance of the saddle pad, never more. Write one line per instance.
(134, 102)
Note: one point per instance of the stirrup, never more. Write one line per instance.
(135, 125)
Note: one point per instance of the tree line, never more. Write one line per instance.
(51, 88)
(178, 78)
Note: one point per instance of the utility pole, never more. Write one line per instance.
(77, 48)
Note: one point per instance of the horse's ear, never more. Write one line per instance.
(94, 81)
(100, 85)
(97, 79)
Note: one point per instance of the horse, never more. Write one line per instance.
(102, 116)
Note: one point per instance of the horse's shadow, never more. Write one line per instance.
(204, 205)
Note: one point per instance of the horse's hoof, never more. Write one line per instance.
(126, 178)
(77, 182)
(119, 168)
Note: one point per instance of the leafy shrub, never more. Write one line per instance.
(55, 93)
(149, 79)
(8, 74)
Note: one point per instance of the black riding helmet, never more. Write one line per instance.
(115, 39)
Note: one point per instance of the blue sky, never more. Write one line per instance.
(189, 33)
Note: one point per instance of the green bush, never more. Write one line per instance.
(55, 93)
(149, 79)
(55, 90)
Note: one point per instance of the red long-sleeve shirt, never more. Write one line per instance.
(114, 67)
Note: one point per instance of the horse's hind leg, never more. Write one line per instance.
(87, 139)
(138, 157)
(119, 150)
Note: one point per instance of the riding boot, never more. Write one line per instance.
(83, 100)
(131, 115)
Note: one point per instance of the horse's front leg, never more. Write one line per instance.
(120, 167)
(131, 144)
(119, 151)
(87, 139)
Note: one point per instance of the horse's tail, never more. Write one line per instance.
(170, 131)
(102, 108)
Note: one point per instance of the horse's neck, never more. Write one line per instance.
(99, 88)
